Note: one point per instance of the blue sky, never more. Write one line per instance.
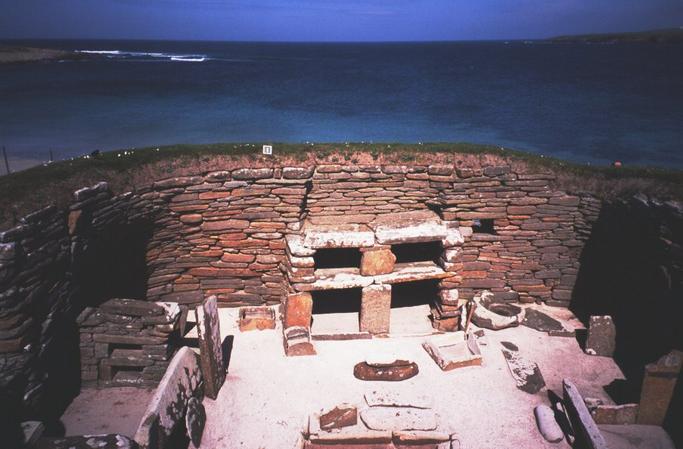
(330, 20)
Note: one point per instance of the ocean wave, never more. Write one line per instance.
(121, 54)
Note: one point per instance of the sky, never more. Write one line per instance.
(330, 20)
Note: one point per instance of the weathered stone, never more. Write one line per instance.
(191, 219)
(540, 321)
(298, 310)
(210, 347)
(587, 432)
(615, 414)
(547, 425)
(601, 336)
(410, 232)
(339, 278)
(454, 350)
(168, 406)
(132, 307)
(395, 371)
(375, 309)
(483, 317)
(224, 225)
(32, 431)
(195, 419)
(659, 384)
(256, 318)
(297, 172)
(252, 173)
(636, 436)
(398, 418)
(377, 262)
(526, 373)
(343, 415)
(413, 271)
(341, 236)
(392, 398)
(110, 441)
(420, 437)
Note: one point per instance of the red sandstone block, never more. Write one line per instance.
(214, 195)
(222, 225)
(237, 257)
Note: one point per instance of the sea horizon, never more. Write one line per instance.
(586, 103)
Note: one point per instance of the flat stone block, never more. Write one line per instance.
(256, 318)
(375, 262)
(375, 309)
(298, 310)
(342, 236)
(399, 418)
(602, 335)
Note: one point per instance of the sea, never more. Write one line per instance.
(586, 103)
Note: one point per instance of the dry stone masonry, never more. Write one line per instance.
(127, 342)
(250, 236)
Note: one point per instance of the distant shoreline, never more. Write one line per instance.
(15, 54)
(668, 36)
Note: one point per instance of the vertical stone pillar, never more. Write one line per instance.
(375, 309)
(210, 348)
(298, 310)
(658, 388)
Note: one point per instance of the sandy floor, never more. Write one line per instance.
(267, 397)
(107, 410)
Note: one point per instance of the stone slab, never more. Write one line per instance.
(298, 310)
(587, 431)
(394, 398)
(535, 319)
(375, 309)
(343, 415)
(659, 384)
(210, 349)
(339, 278)
(256, 318)
(454, 350)
(636, 437)
(341, 236)
(601, 336)
(526, 373)
(399, 418)
(414, 271)
(167, 408)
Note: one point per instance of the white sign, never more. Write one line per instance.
(267, 149)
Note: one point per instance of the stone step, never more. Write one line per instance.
(128, 378)
(129, 357)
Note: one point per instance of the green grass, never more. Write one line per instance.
(29, 189)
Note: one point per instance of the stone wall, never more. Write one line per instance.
(223, 233)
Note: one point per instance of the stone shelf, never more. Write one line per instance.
(338, 278)
(414, 271)
(339, 236)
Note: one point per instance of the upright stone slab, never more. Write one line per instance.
(298, 310)
(375, 309)
(211, 353)
(601, 336)
(659, 384)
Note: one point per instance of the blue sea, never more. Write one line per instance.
(589, 103)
